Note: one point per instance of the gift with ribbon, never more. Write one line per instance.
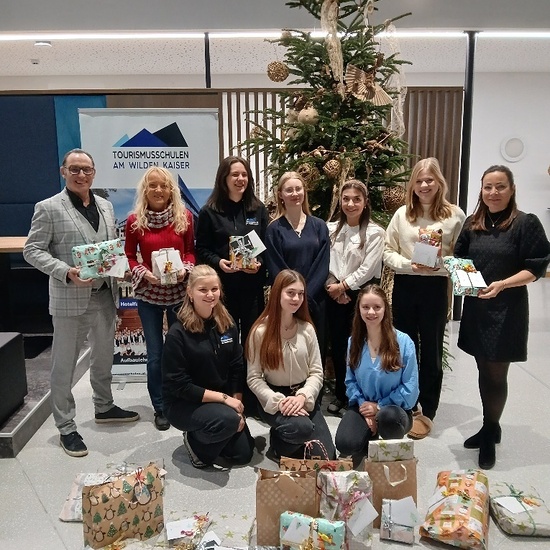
(391, 480)
(466, 279)
(186, 534)
(277, 492)
(347, 496)
(301, 532)
(128, 506)
(458, 511)
(315, 462)
(519, 512)
(399, 518)
(104, 259)
(166, 265)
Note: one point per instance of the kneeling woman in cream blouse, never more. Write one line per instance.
(285, 371)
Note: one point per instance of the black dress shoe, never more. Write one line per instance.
(473, 441)
(161, 422)
(487, 452)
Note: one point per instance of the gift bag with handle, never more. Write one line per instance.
(277, 492)
(124, 506)
(166, 265)
(391, 480)
(312, 462)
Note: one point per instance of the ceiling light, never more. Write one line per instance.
(43, 43)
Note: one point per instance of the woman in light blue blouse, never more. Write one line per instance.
(381, 379)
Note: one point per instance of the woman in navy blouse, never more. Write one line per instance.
(297, 240)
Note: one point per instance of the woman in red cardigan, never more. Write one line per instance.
(159, 220)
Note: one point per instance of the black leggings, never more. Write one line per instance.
(493, 388)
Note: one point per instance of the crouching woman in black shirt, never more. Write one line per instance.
(202, 374)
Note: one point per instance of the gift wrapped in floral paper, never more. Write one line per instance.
(399, 518)
(390, 450)
(466, 279)
(458, 512)
(519, 512)
(298, 531)
(104, 259)
(347, 496)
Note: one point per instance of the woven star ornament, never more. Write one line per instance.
(361, 84)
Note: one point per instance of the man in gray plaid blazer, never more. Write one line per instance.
(80, 308)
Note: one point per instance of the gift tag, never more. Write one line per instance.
(180, 528)
(512, 504)
(477, 279)
(297, 532)
(363, 515)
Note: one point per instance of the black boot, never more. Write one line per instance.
(487, 453)
(473, 442)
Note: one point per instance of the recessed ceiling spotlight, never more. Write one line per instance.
(43, 43)
(35, 61)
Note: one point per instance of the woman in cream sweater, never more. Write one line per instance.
(285, 371)
(420, 297)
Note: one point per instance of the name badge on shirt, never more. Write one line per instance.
(225, 339)
(252, 221)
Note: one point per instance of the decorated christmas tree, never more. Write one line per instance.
(345, 120)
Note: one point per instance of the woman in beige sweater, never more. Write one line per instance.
(420, 297)
(285, 371)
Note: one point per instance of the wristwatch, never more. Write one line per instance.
(225, 397)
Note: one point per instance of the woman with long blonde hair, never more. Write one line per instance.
(202, 374)
(159, 220)
(420, 292)
(297, 240)
(285, 371)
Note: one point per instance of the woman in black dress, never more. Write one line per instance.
(510, 249)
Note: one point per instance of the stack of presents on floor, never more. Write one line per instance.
(310, 504)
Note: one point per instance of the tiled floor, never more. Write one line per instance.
(34, 485)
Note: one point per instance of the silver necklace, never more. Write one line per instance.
(493, 222)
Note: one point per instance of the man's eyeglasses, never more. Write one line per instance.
(75, 170)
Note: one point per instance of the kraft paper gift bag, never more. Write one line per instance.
(278, 492)
(519, 512)
(126, 506)
(347, 496)
(391, 480)
(166, 265)
(298, 531)
(310, 462)
(458, 512)
(104, 259)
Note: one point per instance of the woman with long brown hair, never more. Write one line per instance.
(511, 250)
(420, 293)
(381, 379)
(285, 371)
(356, 249)
(202, 375)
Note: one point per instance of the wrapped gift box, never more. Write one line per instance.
(187, 533)
(466, 279)
(458, 512)
(390, 450)
(299, 530)
(104, 259)
(399, 518)
(347, 496)
(166, 265)
(519, 512)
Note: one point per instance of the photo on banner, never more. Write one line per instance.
(124, 144)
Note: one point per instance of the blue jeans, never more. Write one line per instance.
(152, 318)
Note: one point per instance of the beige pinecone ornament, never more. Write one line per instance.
(277, 71)
(332, 168)
(393, 197)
